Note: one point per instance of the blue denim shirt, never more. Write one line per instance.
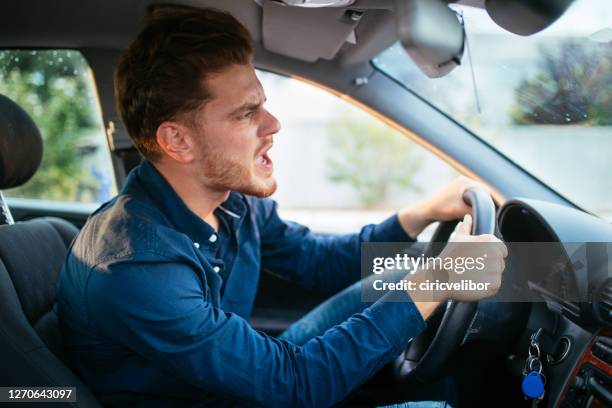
(145, 324)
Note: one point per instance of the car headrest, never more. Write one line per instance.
(21, 145)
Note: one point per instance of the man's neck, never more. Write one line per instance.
(201, 200)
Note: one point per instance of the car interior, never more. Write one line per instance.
(483, 346)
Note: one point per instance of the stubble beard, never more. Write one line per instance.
(225, 173)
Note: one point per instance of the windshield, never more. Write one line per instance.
(545, 101)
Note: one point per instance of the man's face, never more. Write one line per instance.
(234, 132)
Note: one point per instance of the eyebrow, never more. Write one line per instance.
(247, 106)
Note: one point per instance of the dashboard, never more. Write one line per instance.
(574, 318)
(582, 246)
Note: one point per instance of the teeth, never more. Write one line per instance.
(261, 160)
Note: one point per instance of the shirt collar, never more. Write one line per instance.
(182, 218)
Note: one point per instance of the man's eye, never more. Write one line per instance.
(249, 114)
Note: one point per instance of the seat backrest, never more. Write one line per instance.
(32, 253)
(31, 352)
(31, 256)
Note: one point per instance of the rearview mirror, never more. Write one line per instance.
(526, 17)
(431, 34)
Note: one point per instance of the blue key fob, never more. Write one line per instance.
(533, 385)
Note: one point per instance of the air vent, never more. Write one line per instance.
(603, 349)
(605, 303)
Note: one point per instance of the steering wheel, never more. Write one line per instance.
(424, 357)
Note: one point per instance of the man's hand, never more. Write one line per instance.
(445, 205)
(462, 244)
(487, 247)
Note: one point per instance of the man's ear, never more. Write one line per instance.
(174, 139)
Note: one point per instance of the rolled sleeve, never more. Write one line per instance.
(390, 230)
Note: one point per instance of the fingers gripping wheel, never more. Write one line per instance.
(483, 220)
(483, 211)
(425, 357)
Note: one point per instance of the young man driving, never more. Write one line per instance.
(156, 292)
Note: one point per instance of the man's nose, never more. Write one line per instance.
(271, 125)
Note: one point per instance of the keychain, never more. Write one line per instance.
(534, 381)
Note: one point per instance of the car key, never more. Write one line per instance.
(534, 381)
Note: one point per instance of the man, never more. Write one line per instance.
(156, 291)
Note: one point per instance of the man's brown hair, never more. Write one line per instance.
(161, 75)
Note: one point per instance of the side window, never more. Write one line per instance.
(337, 166)
(56, 88)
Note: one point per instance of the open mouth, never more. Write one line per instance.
(263, 160)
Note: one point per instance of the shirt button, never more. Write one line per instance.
(216, 269)
(213, 238)
(196, 244)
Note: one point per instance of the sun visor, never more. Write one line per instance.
(307, 34)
